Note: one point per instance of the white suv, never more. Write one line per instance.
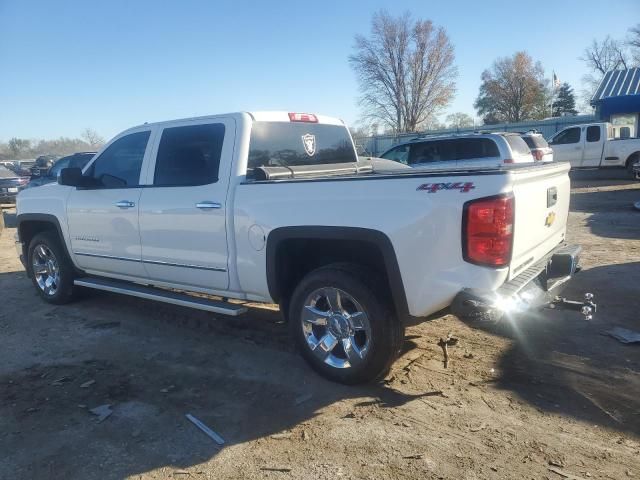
(462, 151)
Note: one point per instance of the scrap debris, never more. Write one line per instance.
(449, 342)
(210, 433)
(564, 474)
(102, 412)
(624, 335)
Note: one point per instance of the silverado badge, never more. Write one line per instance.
(309, 142)
(551, 217)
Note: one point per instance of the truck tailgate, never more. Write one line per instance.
(541, 210)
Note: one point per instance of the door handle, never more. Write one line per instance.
(208, 205)
(125, 204)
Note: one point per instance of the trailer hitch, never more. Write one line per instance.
(587, 307)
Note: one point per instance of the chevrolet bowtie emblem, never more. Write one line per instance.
(551, 217)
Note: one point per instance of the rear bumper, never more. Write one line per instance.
(535, 287)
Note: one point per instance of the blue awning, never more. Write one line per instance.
(616, 84)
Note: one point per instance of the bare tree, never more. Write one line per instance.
(601, 57)
(405, 70)
(606, 55)
(92, 138)
(633, 42)
(512, 90)
(459, 120)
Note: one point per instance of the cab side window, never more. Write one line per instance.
(593, 134)
(398, 154)
(570, 135)
(189, 155)
(472, 148)
(120, 164)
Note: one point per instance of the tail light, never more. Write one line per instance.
(303, 117)
(487, 230)
(537, 155)
(508, 160)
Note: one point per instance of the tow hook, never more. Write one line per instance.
(587, 307)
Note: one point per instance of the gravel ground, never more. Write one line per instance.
(542, 396)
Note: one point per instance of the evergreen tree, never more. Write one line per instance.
(565, 103)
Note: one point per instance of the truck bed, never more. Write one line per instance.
(421, 213)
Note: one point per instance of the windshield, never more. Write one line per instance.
(6, 173)
(297, 143)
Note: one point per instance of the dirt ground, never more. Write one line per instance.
(546, 396)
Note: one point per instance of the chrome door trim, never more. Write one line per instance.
(152, 262)
(184, 265)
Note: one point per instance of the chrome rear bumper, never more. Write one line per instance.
(537, 286)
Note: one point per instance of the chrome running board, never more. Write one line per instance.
(160, 295)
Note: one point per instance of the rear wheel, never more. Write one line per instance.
(51, 271)
(343, 324)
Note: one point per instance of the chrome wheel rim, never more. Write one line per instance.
(336, 327)
(46, 269)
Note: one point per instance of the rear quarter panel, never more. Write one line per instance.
(424, 228)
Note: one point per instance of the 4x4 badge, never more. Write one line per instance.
(309, 142)
(464, 187)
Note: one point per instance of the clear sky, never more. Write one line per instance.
(70, 64)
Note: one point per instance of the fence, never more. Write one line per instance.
(378, 144)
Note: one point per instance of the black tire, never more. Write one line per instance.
(367, 289)
(64, 288)
(633, 160)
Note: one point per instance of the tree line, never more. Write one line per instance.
(22, 148)
(407, 76)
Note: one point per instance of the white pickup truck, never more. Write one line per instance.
(595, 145)
(275, 207)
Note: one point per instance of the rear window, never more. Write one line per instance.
(536, 142)
(517, 144)
(280, 144)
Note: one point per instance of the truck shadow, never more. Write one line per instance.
(564, 365)
(153, 363)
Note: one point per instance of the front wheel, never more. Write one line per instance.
(343, 324)
(51, 271)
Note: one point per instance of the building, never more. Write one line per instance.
(617, 100)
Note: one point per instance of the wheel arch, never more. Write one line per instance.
(292, 252)
(634, 155)
(31, 224)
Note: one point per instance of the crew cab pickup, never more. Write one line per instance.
(275, 207)
(595, 145)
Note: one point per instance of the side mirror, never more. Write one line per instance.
(71, 177)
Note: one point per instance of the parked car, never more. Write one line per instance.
(595, 145)
(42, 165)
(274, 207)
(76, 160)
(18, 168)
(478, 150)
(10, 185)
(539, 147)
